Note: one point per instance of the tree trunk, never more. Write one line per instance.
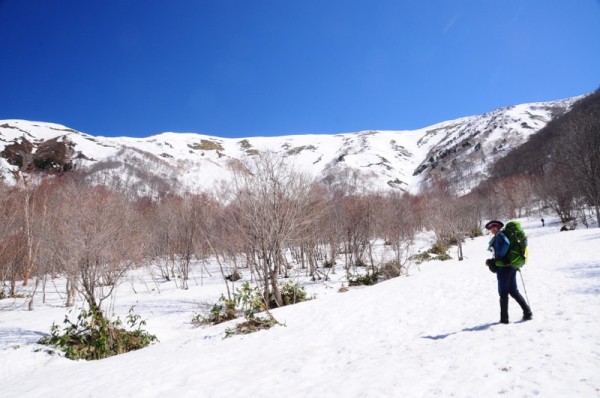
(29, 255)
(30, 304)
(70, 293)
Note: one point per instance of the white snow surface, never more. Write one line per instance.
(433, 333)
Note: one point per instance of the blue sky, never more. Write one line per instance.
(277, 67)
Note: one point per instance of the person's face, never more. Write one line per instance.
(494, 229)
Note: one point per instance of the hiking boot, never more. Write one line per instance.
(527, 314)
(504, 309)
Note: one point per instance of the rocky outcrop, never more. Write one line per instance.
(54, 155)
(18, 153)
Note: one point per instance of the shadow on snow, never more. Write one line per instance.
(473, 329)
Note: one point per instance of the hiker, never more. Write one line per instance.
(543, 224)
(505, 272)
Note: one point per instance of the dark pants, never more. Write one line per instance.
(507, 285)
(507, 281)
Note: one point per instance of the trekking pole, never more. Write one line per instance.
(524, 288)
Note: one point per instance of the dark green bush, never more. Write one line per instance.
(439, 251)
(293, 293)
(93, 336)
(251, 326)
(223, 311)
(250, 302)
(422, 257)
(6, 293)
(368, 279)
(246, 300)
(443, 257)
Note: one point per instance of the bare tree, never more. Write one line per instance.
(185, 231)
(515, 192)
(311, 242)
(331, 226)
(98, 238)
(160, 221)
(11, 247)
(555, 187)
(397, 224)
(580, 151)
(180, 235)
(438, 199)
(28, 207)
(451, 217)
(357, 225)
(271, 205)
(565, 158)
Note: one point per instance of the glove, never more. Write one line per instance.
(491, 264)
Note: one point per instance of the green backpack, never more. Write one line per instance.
(517, 252)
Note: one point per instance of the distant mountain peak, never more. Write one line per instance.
(460, 151)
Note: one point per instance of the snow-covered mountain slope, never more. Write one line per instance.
(459, 151)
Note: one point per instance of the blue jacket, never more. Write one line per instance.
(500, 244)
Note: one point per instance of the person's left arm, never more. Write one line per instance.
(501, 246)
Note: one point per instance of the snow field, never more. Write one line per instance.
(433, 333)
